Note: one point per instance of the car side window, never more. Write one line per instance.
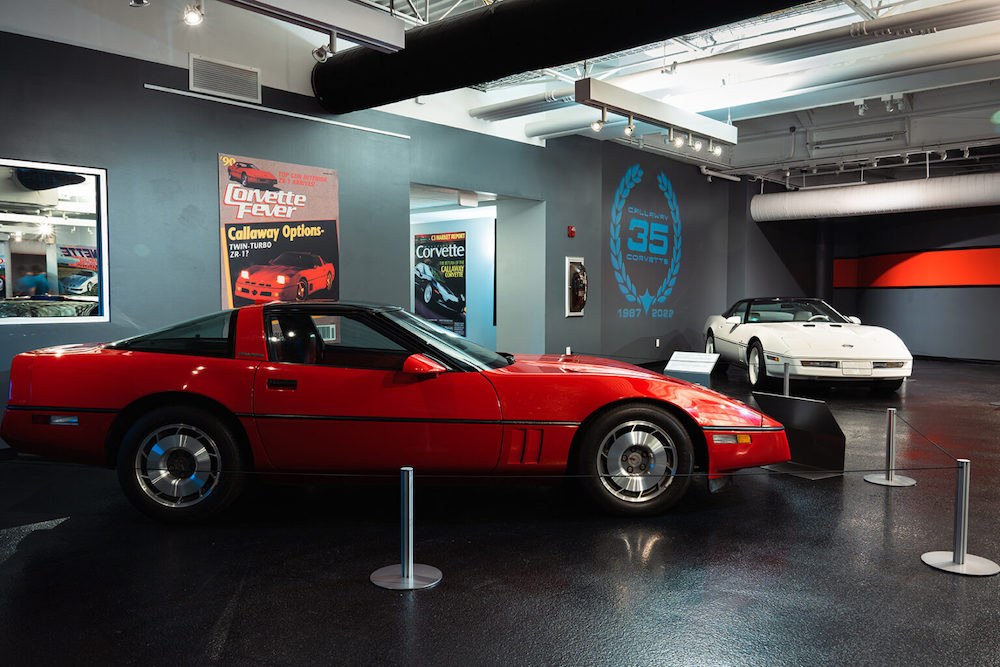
(739, 309)
(332, 340)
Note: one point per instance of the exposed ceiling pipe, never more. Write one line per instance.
(487, 44)
(920, 22)
(897, 197)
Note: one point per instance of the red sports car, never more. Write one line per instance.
(324, 387)
(251, 176)
(291, 276)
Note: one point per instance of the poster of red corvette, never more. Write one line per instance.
(279, 230)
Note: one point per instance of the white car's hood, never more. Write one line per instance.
(844, 341)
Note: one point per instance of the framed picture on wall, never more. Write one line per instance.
(53, 243)
(576, 287)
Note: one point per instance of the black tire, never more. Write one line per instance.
(243, 179)
(887, 386)
(622, 446)
(179, 464)
(757, 367)
(721, 365)
(301, 290)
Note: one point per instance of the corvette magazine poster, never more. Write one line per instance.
(439, 279)
(279, 230)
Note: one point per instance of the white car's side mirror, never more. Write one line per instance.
(735, 319)
(854, 320)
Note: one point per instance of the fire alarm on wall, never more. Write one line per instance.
(571, 231)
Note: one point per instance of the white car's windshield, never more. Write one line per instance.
(793, 310)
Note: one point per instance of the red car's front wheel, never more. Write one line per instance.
(636, 460)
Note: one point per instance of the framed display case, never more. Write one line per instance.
(576, 287)
(53, 243)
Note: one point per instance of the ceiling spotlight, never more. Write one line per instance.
(138, 3)
(678, 140)
(321, 53)
(45, 229)
(697, 144)
(861, 106)
(965, 153)
(194, 14)
(889, 106)
(630, 128)
(906, 158)
(714, 149)
(598, 124)
(944, 155)
(840, 168)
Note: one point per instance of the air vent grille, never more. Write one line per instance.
(216, 77)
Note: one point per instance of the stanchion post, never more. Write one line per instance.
(406, 576)
(890, 478)
(958, 560)
(788, 380)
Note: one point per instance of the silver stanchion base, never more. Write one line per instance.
(897, 480)
(974, 566)
(390, 576)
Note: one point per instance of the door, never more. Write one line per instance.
(333, 397)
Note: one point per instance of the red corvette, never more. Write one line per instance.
(251, 176)
(289, 276)
(337, 387)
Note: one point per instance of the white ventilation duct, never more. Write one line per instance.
(897, 197)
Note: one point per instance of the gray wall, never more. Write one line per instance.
(520, 261)
(953, 322)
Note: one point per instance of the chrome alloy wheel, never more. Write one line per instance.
(637, 461)
(753, 366)
(177, 465)
(428, 293)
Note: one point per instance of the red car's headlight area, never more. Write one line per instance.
(245, 275)
(282, 280)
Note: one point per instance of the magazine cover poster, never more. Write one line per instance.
(279, 230)
(439, 279)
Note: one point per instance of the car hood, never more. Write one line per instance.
(258, 173)
(74, 281)
(844, 341)
(555, 386)
(272, 271)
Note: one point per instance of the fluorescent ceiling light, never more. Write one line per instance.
(855, 141)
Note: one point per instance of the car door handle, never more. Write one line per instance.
(277, 383)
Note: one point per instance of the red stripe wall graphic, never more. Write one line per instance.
(933, 268)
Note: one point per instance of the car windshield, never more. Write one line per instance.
(448, 342)
(794, 310)
(297, 259)
(434, 273)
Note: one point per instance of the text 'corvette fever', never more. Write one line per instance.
(326, 387)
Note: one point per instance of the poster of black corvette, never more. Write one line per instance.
(279, 228)
(439, 279)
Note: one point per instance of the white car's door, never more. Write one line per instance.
(727, 333)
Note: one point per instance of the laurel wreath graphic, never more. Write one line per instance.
(632, 177)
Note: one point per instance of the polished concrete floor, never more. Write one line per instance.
(777, 570)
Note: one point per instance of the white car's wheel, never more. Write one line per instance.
(756, 368)
(721, 364)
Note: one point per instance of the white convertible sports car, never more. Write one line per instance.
(816, 342)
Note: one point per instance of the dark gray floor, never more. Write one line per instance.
(775, 571)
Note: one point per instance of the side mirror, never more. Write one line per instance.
(854, 320)
(735, 319)
(418, 364)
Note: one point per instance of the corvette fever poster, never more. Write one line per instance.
(279, 229)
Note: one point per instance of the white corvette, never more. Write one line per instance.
(810, 336)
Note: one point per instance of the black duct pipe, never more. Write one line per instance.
(510, 37)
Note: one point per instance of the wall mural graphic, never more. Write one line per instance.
(649, 223)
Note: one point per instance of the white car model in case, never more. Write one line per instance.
(809, 335)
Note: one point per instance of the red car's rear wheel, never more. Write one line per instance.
(180, 463)
(637, 460)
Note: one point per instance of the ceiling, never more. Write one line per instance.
(826, 92)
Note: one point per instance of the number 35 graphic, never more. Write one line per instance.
(651, 236)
